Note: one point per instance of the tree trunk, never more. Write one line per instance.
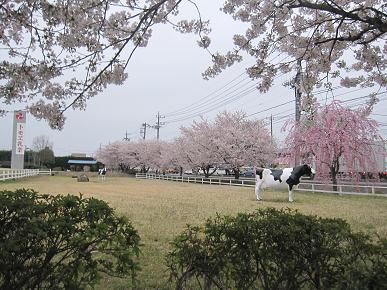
(236, 173)
(334, 171)
(206, 171)
(334, 182)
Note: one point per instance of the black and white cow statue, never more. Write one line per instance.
(102, 173)
(276, 177)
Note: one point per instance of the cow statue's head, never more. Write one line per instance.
(308, 170)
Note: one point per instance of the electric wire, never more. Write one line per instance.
(280, 119)
(218, 97)
(221, 103)
(214, 102)
(203, 99)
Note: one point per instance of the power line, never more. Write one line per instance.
(292, 109)
(344, 101)
(203, 100)
(220, 101)
(251, 89)
(233, 90)
(224, 102)
(280, 119)
(268, 109)
(217, 101)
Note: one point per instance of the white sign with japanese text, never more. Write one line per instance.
(18, 139)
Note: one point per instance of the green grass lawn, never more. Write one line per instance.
(160, 210)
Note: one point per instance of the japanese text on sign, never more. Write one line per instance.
(20, 138)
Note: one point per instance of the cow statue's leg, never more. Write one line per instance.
(290, 192)
(258, 190)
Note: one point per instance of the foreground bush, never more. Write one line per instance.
(277, 249)
(62, 242)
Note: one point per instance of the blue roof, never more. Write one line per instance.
(82, 162)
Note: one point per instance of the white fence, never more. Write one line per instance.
(370, 189)
(359, 189)
(6, 174)
(374, 190)
(197, 179)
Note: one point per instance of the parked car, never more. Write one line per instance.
(249, 172)
(220, 172)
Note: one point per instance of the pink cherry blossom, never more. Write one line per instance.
(336, 41)
(337, 139)
(231, 141)
(48, 42)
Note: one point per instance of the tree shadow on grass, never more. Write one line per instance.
(276, 197)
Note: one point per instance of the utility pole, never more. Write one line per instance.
(158, 124)
(297, 91)
(126, 136)
(297, 95)
(271, 127)
(143, 130)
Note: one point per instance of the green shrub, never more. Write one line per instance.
(62, 242)
(276, 249)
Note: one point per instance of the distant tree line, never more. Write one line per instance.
(334, 138)
(230, 142)
(44, 159)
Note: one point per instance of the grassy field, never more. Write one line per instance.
(160, 210)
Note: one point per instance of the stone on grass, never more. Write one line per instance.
(83, 178)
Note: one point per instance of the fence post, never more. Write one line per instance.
(373, 189)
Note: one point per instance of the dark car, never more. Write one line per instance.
(249, 173)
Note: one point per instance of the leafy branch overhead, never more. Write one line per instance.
(61, 53)
(334, 39)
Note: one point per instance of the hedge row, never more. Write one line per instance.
(66, 242)
(277, 249)
(62, 242)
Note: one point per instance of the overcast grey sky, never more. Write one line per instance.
(165, 77)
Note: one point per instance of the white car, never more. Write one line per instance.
(220, 172)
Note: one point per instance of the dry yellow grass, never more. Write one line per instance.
(161, 209)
